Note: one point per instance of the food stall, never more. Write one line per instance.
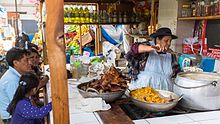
(65, 94)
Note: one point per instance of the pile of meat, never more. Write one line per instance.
(111, 81)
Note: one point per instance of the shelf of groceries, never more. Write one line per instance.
(200, 10)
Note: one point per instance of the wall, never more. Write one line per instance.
(167, 16)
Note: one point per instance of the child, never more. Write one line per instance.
(21, 108)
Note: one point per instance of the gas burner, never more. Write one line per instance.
(135, 112)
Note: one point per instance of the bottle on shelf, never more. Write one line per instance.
(86, 13)
(119, 17)
(186, 10)
(218, 7)
(81, 14)
(66, 11)
(125, 18)
(77, 17)
(193, 7)
(104, 16)
(110, 17)
(207, 8)
(72, 14)
(198, 9)
(95, 16)
(91, 14)
(114, 17)
(212, 8)
(202, 8)
(100, 16)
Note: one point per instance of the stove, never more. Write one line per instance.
(136, 113)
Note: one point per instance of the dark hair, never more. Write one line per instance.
(15, 54)
(33, 50)
(25, 37)
(27, 82)
(160, 37)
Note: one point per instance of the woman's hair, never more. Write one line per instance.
(27, 82)
(160, 37)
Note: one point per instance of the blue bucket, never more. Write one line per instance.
(207, 64)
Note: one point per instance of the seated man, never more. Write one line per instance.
(19, 64)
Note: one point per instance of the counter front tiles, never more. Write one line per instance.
(204, 116)
(177, 119)
(84, 118)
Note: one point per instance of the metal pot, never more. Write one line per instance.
(91, 93)
(158, 107)
(201, 90)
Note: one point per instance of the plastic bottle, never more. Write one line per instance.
(91, 14)
(72, 15)
(66, 15)
(86, 13)
(81, 14)
(77, 15)
(193, 7)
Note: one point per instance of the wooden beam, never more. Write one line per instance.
(57, 60)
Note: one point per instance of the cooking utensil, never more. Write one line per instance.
(158, 107)
(201, 90)
(91, 93)
(196, 58)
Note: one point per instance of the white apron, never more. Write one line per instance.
(157, 73)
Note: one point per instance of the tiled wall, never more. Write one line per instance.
(167, 16)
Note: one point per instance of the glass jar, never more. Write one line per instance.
(84, 70)
(186, 10)
(75, 69)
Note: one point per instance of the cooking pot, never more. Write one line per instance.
(201, 90)
(158, 107)
(107, 96)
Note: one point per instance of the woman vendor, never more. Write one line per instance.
(151, 63)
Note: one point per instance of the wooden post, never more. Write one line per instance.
(57, 60)
(80, 39)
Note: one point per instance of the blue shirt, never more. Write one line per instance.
(8, 86)
(26, 113)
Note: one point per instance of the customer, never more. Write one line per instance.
(24, 42)
(19, 64)
(35, 65)
(151, 64)
(21, 107)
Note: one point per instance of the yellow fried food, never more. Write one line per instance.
(147, 94)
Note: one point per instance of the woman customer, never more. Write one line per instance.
(21, 108)
(151, 63)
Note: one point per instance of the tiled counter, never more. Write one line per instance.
(80, 117)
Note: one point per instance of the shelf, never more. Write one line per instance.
(198, 18)
(99, 23)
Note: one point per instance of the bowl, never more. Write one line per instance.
(92, 93)
(158, 107)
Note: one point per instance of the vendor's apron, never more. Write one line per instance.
(157, 73)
